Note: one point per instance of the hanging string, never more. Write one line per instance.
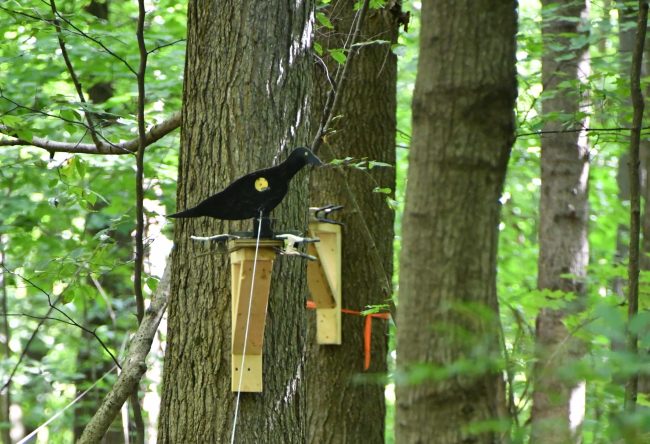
(248, 320)
(60, 412)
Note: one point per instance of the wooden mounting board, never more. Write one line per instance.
(324, 280)
(242, 261)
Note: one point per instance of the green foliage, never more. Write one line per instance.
(66, 221)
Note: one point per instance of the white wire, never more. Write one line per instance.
(60, 412)
(248, 319)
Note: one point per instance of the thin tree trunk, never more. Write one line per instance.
(559, 401)
(5, 335)
(626, 19)
(345, 409)
(644, 380)
(87, 364)
(247, 84)
(463, 129)
(632, 385)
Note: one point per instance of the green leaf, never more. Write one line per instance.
(68, 114)
(382, 190)
(376, 163)
(80, 166)
(90, 197)
(338, 55)
(324, 20)
(318, 48)
(152, 283)
(11, 121)
(24, 133)
(340, 161)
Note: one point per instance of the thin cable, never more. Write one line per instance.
(248, 320)
(60, 412)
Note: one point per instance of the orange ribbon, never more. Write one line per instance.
(367, 329)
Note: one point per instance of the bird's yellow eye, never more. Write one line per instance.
(261, 184)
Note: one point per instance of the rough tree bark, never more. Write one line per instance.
(558, 401)
(343, 409)
(247, 79)
(463, 130)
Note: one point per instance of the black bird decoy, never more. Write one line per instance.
(255, 194)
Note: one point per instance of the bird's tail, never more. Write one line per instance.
(192, 212)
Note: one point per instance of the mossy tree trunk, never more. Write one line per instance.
(246, 91)
(342, 407)
(558, 398)
(463, 128)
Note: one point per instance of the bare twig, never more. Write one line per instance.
(331, 102)
(97, 42)
(154, 134)
(23, 353)
(71, 71)
(164, 45)
(580, 130)
(631, 387)
(77, 32)
(134, 366)
(67, 319)
(40, 111)
(378, 266)
(43, 319)
(40, 318)
(334, 94)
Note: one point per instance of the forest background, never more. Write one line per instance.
(68, 220)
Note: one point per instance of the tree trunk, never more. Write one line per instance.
(463, 129)
(5, 335)
(558, 402)
(246, 92)
(340, 408)
(87, 363)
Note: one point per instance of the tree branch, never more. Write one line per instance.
(71, 71)
(632, 385)
(97, 42)
(134, 365)
(77, 32)
(331, 102)
(42, 319)
(154, 134)
(334, 94)
(579, 130)
(164, 45)
(372, 249)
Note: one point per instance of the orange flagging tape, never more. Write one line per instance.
(367, 328)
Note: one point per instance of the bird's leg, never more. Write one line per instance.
(263, 223)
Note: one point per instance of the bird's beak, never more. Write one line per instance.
(313, 160)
